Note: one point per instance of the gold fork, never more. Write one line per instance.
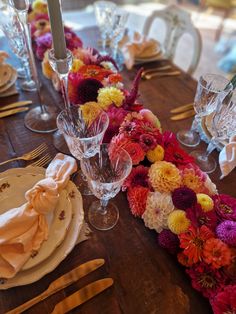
(30, 155)
(43, 161)
(157, 69)
(160, 74)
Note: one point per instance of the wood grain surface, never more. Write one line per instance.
(147, 280)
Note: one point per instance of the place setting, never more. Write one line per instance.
(60, 203)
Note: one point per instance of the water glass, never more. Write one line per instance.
(210, 87)
(106, 172)
(104, 11)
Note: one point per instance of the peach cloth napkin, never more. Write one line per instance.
(227, 157)
(139, 46)
(23, 229)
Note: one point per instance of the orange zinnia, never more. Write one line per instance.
(193, 242)
(216, 253)
(94, 71)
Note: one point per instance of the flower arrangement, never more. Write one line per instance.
(165, 188)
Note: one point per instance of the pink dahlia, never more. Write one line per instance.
(216, 253)
(226, 232)
(207, 280)
(137, 177)
(199, 218)
(168, 241)
(183, 198)
(116, 117)
(224, 302)
(137, 198)
(147, 142)
(225, 206)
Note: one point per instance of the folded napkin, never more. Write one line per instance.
(137, 47)
(23, 229)
(227, 157)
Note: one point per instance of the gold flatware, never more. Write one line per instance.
(13, 111)
(182, 108)
(82, 295)
(16, 104)
(163, 68)
(30, 155)
(43, 161)
(160, 74)
(61, 283)
(183, 115)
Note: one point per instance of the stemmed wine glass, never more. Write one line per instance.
(210, 87)
(106, 172)
(12, 28)
(82, 136)
(104, 11)
(223, 125)
(119, 21)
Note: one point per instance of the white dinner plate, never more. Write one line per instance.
(33, 274)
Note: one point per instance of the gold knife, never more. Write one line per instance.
(182, 108)
(82, 295)
(13, 111)
(183, 115)
(16, 104)
(61, 283)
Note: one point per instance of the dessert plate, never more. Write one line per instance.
(5, 73)
(33, 274)
(10, 82)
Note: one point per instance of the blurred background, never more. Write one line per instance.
(215, 19)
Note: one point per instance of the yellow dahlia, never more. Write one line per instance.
(164, 176)
(156, 154)
(205, 201)
(90, 111)
(77, 64)
(110, 95)
(40, 6)
(178, 222)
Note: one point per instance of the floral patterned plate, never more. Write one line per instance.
(33, 274)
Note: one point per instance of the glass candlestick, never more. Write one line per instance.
(62, 68)
(41, 119)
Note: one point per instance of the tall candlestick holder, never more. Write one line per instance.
(62, 67)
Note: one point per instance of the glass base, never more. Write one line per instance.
(21, 73)
(60, 143)
(81, 183)
(29, 86)
(103, 220)
(188, 138)
(39, 122)
(205, 163)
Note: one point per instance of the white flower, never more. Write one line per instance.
(158, 207)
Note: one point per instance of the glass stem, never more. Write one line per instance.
(64, 88)
(115, 49)
(26, 66)
(210, 147)
(103, 208)
(104, 43)
(194, 126)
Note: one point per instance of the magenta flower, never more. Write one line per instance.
(168, 241)
(225, 206)
(147, 142)
(183, 198)
(116, 117)
(225, 301)
(199, 218)
(137, 177)
(207, 280)
(226, 232)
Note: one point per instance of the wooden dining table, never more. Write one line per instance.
(147, 279)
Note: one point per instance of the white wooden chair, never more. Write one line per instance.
(178, 22)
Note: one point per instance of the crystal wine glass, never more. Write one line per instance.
(106, 172)
(223, 125)
(104, 11)
(210, 87)
(82, 136)
(119, 21)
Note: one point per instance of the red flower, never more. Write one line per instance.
(193, 242)
(137, 198)
(116, 117)
(137, 177)
(198, 217)
(114, 78)
(147, 142)
(207, 280)
(224, 302)
(135, 151)
(216, 253)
